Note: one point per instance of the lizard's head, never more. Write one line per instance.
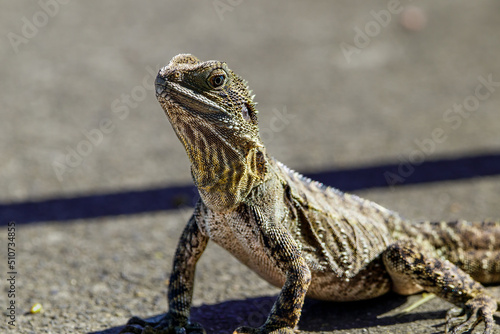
(213, 114)
(207, 97)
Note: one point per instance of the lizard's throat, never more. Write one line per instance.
(224, 166)
(224, 177)
(224, 174)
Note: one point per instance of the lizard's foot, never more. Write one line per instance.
(263, 330)
(166, 325)
(479, 308)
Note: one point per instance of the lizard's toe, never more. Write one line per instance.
(479, 308)
(165, 326)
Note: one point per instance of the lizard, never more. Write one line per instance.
(302, 236)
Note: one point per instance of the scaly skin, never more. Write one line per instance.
(296, 233)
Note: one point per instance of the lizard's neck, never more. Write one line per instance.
(225, 182)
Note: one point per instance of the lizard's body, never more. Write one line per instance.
(312, 214)
(297, 233)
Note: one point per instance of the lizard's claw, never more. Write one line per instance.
(165, 326)
(479, 308)
(263, 330)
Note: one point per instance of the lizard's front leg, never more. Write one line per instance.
(280, 245)
(180, 291)
(412, 269)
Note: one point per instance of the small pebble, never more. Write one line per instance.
(36, 308)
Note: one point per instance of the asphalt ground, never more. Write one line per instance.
(379, 90)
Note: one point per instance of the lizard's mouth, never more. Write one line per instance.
(169, 92)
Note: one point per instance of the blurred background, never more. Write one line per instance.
(396, 100)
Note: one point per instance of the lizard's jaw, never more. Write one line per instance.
(168, 91)
(180, 102)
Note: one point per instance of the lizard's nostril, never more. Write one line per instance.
(159, 84)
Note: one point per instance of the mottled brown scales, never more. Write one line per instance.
(304, 237)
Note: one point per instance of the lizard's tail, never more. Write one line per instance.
(473, 246)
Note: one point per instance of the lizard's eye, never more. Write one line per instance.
(217, 79)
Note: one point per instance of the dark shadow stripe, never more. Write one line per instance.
(150, 200)
(405, 174)
(92, 206)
